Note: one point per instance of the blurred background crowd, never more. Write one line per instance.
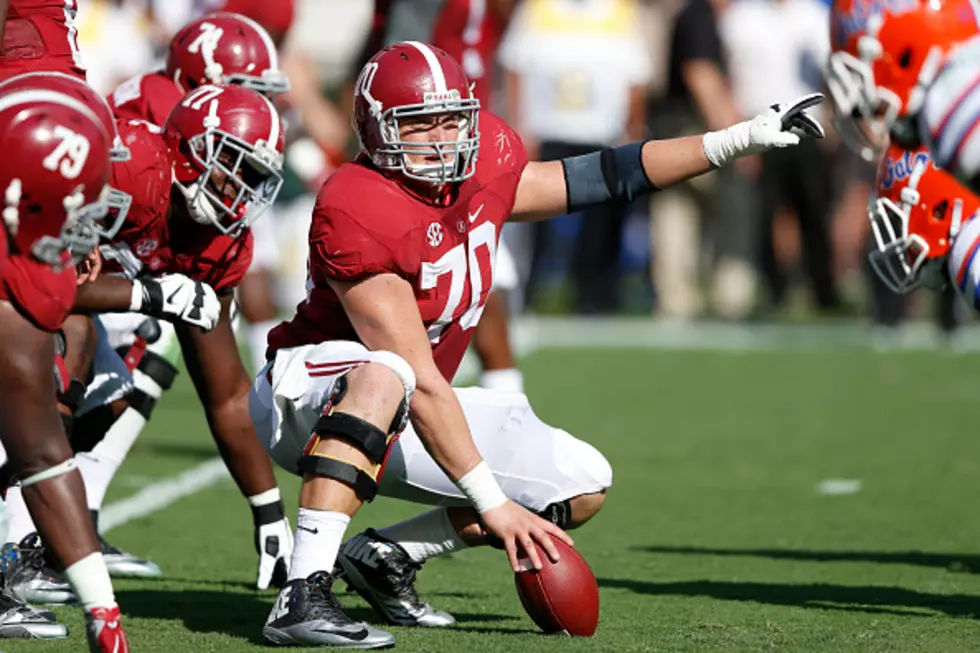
(781, 236)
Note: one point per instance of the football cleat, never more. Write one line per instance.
(383, 574)
(125, 565)
(21, 621)
(307, 614)
(27, 575)
(105, 633)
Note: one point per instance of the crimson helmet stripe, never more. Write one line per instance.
(438, 76)
(41, 95)
(266, 40)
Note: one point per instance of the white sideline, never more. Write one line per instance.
(162, 494)
(532, 334)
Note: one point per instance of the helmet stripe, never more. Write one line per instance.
(438, 76)
(42, 95)
(274, 124)
(266, 40)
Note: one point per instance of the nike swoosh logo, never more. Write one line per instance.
(357, 637)
(170, 300)
(476, 214)
(315, 531)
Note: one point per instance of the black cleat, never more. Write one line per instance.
(383, 574)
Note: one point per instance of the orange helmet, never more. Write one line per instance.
(916, 214)
(884, 54)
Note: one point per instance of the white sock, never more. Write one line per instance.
(425, 536)
(510, 380)
(100, 465)
(318, 537)
(90, 580)
(21, 524)
(258, 342)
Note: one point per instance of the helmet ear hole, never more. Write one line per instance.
(939, 211)
(905, 58)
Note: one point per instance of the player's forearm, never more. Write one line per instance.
(441, 426)
(107, 294)
(239, 446)
(673, 161)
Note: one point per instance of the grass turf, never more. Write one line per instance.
(714, 537)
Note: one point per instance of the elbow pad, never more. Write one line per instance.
(614, 174)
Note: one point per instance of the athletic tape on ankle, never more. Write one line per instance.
(50, 472)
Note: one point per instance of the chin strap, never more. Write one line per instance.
(198, 206)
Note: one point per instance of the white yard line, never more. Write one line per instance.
(839, 486)
(162, 494)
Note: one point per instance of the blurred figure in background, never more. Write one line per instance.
(107, 28)
(577, 74)
(777, 48)
(699, 98)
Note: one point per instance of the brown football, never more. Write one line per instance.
(560, 597)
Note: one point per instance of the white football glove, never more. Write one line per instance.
(781, 125)
(176, 298)
(275, 546)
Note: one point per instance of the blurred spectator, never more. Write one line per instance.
(699, 99)
(577, 71)
(114, 36)
(776, 50)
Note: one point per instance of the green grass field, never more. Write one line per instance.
(714, 536)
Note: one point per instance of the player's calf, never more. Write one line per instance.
(341, 464)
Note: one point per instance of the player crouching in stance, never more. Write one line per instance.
(401, 260)
(54, 177)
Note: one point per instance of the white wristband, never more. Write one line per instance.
(136, 299)
(482, 489)
(722, 146)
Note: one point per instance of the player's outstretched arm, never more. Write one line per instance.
(383, 311)
(620, 174)
(172, 297)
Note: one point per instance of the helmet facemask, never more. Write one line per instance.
(270, 83)
(456, 159)
(901, 259)
(238, 182)
(863, 112)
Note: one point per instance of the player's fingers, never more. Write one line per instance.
(510, 545)
(554, 530)
(532, 551)
(266, 565)
(548, 544)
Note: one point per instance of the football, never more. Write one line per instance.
(562, 597)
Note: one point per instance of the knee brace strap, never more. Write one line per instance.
(158, 368)
(363, 483)
(141, 402)
(363, 434)
(50, 472)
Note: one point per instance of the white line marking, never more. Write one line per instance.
(162, 494)
(839, 486)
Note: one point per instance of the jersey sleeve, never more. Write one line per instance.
(44, 297)
(148, 97)
(501, 145)
(345, 248)
(964, 263)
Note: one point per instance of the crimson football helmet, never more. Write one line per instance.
(885, 54)
(53, 174)
(916, 214)
(225, 48)
(411, 80)
(119, 202)
(228, 147)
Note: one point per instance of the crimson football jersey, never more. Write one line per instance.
(150, 97)
(44, 297)
(470, 32)
(365, 223)
(154, 240)
(41, 36)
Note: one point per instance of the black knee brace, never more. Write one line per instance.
(155, 366)
(362, 434)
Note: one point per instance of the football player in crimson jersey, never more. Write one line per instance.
(401, 262)
(197, 184)
(54, 187)
(883, 56)
(39, 35)
(220, 48)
